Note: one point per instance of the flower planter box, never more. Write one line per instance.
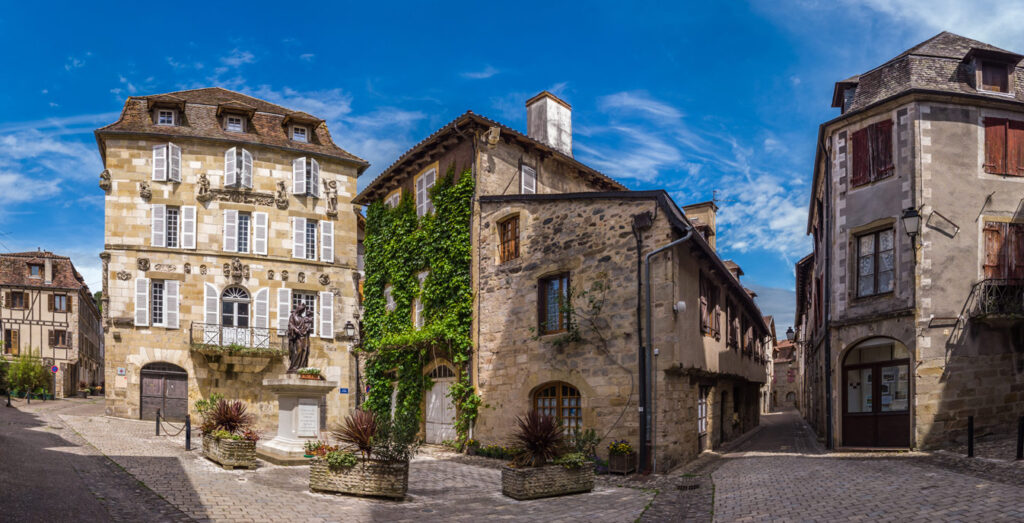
(622, 463)
(546, 481)
(309, 376)
(83, 394)
(230, 453)
(366, 478)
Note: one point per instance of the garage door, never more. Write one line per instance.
(164, 387)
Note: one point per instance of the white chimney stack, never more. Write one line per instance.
(549, 121)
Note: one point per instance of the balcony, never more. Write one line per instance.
(235, 349)
(996, 301)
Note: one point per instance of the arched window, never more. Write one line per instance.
(441, 371)
(560, 401)
(234, 307)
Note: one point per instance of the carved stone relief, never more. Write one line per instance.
(235, 270)
(202, 270)
(165, 267)
(188, 268)
(143, 264)
(203, 190)
(331, 195)
(302, 277)
(105, 180)
(270, 274)
(144, 191)
(325, 279)
(282, 196)
(284, 275)
(248, 198)
(124, 275)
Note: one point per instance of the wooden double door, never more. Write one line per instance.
(876, 404)
(164, 387)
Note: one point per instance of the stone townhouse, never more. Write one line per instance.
(785, 384)
(557, 255)
(223, 213)
(916, 214)
(46, 310)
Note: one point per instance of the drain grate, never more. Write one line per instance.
(689, 486)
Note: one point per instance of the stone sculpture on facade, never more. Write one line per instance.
(325, 279)
(203, 193)
(284, 275)
(331, 195)
(282, 196)
(188, 268)
(302, 277)
(144, 191)
(143, 264)
(105, 180)
(270, 274)
(300, 326)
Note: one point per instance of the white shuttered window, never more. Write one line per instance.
(160, 162)
(261, 309)
(327, 315)
(246, 169)
(259, 232)
(188, 227)
(171, 304)
(175, 162)
(314, 178)
(327, 241)
(299, 175)
(230, 167)
(231, 230)
(299, 238)
(284, 308)
(158, 236)
(529, 180)
(423, 185)
(141, 302)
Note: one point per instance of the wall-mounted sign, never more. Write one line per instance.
(121, 371)
(54, 369)
(344, 390)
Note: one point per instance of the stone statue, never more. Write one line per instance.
(331, 195)
(204, 194)
(281, 199)
(105, 180)
(144, 191)
(300, 326)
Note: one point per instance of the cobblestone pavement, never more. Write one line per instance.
(440, 489)
(50, 473)
(784, 475)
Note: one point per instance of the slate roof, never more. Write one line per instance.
(14, 271)
(937, 64)
(370, 193)
(201, 108)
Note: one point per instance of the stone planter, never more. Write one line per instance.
(83, 394)
(230, 453)
(622, 463)
(366, 478)
(546, 481)
(309, 376)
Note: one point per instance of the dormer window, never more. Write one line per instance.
(35, 271)
(299, 134)
(165, 117)
(234, 124)
(995, 77)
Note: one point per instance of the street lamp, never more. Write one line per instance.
(790, 334)
(350, 330)
(911, 223)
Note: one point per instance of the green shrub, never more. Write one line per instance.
(572, 460)
(585, 441)
(28, 373)
(340, 459)
(223, 434)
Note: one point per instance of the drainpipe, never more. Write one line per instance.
(647, 442)
(827, 297)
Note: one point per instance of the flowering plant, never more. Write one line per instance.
(620, 447)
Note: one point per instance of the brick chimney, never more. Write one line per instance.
(549, 121)
(48, 270)
(702, 216)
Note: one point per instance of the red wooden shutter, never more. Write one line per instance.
(704, 323)
(860, 159)
(1015, 251)
(67, 305)
(994, 236)
(1015, 148)
(52, 342)
(49, 302)
(995, 145)
(881, 150)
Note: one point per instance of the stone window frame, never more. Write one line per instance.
(393, 198)
(509, 234)
(542, 300)
(563, 407)
(424, 204)
(854, 248)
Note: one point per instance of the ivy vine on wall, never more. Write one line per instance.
(399, 246)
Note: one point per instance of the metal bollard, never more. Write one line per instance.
(188, 432)
(1020, 438)
(970, 436)
(157, 422)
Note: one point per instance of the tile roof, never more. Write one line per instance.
(937, 64)
(14, 270)
(200, 120)
(366, 195)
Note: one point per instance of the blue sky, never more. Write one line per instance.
(700, 99)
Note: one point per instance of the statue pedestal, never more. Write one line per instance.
(298, 418)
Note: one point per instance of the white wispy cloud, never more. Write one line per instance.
(639, 102)
(238, 57)
(74, 62)
(306, 57)
(484, 73)
(992, 21)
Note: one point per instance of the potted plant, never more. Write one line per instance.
(309, 373)
(621, 457)
(472, 446)
(83, 389)
(228, 437)
(313, 448)
(375, 461)
(543, 467)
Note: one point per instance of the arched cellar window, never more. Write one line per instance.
(560, 401)
(442, 371)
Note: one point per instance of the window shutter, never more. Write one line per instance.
(299, 175)
(175, 154)
(421, 195)
(230, 230)
(431, 178)
(261, 312)
(158, 238)
(1015, 148)
(299, 238)
(859, 163)
(160, 162)
(171, 302)
(314, 179)
(1016, 231)
(246, 169)
(141, 302)
(284, 308)
(7, 300)
(881, 149)
(188, 227)
(327, 315)
(327, 241)
(210, 305)
(230, 171)
(259, 232)
(70, 299)
(995, 145)
(529, 180)
(53, 341)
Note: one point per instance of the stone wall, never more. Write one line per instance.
(130, 255)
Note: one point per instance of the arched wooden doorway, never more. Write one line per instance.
(164, 387)
(876, 394)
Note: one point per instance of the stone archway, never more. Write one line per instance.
(164, 386)
(876, 394)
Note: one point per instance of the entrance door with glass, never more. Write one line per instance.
(235, 316)
(876, 395)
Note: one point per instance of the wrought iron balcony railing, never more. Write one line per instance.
(996, 298)
(206, 334)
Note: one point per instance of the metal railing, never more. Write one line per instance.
(222, 336)
(995, 298)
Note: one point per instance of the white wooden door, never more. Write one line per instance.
(440, 412)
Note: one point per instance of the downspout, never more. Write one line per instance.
(649, 438)
(827, 297)
(642, 382)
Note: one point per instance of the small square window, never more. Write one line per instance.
(60, 302)
(299, 134)
(35, 271)
(234, 124)
(165, 117)
(995, 77)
